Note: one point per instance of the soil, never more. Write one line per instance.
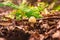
(43, 29)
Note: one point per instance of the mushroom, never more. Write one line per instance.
(32, 19)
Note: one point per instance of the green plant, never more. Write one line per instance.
(57, 8)
(26, 11)
(10, 4)
(1, 4)
(23, 10)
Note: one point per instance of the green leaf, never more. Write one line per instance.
(29, 13)
(18, 15)
(1, 5)
(57, 8)
(10, 4)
